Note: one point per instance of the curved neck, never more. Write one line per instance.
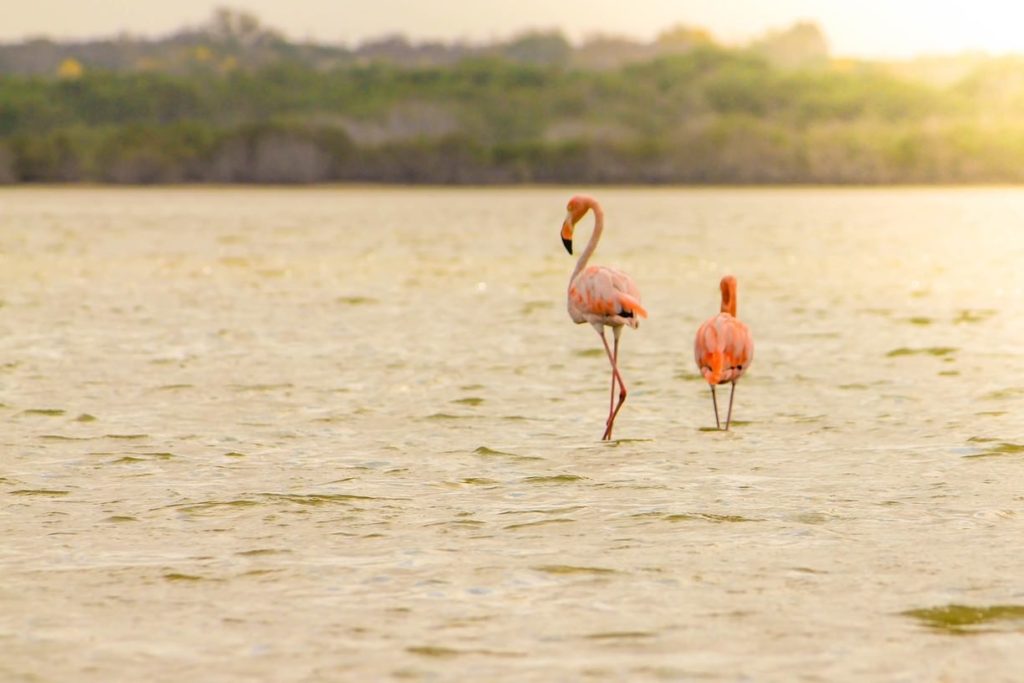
(729, 300)
(594, 237)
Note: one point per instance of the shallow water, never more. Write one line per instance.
(325, 434)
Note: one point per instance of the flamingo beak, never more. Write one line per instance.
(567, 227)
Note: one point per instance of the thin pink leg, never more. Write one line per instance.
(728, 418)
(611, 399)
(616, 375)
(714, 402)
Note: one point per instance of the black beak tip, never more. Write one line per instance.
(568, 245)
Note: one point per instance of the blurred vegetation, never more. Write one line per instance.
(233, 101)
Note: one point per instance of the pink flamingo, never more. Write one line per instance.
(724, 347)
(600, 296)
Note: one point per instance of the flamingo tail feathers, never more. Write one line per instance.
(712, 365)
(632, 305)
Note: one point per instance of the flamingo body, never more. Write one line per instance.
(724, 347)
(605, 296)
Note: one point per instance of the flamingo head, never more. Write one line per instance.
(728, 287)
(574, 211)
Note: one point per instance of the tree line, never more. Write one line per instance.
(776, 111)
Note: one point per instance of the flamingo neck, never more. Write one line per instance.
(729, 301)
(594, 238)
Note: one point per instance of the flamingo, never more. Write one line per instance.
(601, 296)
(724, 347)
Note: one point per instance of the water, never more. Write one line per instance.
(305, 435)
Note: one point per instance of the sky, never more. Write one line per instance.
(855, 28)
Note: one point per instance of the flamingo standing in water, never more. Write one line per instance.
(724, 348)
(600, 296)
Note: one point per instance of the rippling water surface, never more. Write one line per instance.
(305, 435)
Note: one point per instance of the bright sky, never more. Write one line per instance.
(863, 28)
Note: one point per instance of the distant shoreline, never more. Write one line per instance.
(217, 108)
(426, 186)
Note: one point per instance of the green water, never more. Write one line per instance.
(323, 434)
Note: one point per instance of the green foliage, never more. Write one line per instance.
(801, 45)
(696, 113)
(538, 48)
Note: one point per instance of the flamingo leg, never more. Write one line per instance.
(617, 331)
(616, 375)
(611, 400)
(728, 418)
(714, 402)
